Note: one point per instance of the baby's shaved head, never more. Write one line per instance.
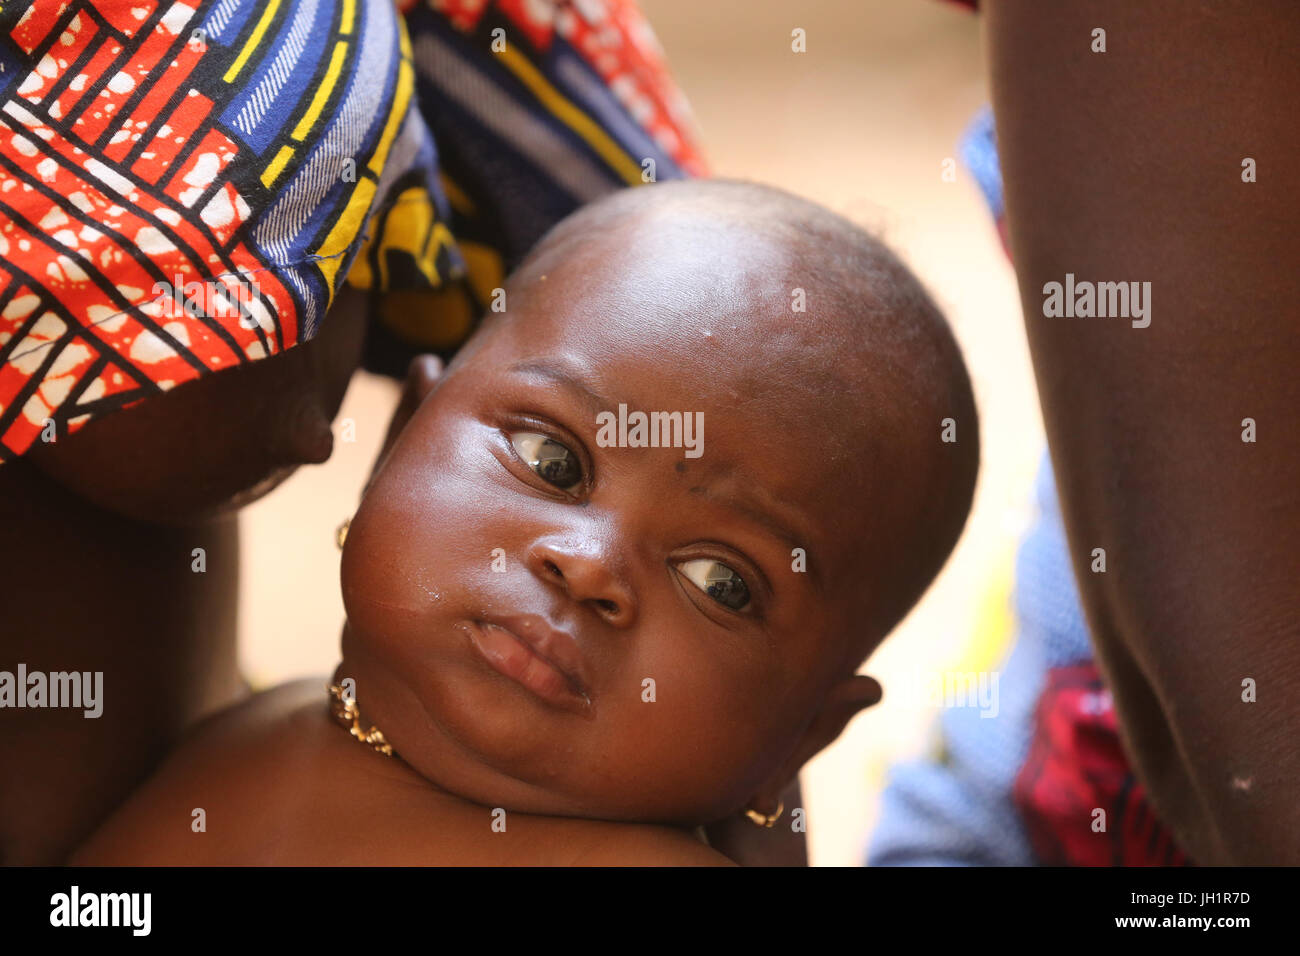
(840, 343)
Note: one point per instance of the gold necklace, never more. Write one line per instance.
(348, 714)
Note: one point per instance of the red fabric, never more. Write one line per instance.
(1076, 767)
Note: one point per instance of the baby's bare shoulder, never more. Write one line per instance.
(229, 771)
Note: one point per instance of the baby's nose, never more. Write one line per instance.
(587, 573)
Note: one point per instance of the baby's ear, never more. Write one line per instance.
(844, 701)
(421, 377)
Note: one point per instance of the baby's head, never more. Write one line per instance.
(703, 604)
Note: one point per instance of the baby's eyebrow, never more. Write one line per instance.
(563, 376)
(767, 520)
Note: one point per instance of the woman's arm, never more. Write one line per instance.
(1129, 165)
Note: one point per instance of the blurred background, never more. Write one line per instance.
(861, 122)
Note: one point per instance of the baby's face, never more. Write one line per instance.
(542, 620)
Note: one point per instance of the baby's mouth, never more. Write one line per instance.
(536, 656)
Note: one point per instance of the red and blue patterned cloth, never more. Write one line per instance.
(185, 183)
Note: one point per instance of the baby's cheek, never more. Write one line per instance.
(688, 726)
(440, 483)
(378, 591)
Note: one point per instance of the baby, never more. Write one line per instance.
(569, 641)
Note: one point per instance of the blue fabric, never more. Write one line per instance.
(979, 154)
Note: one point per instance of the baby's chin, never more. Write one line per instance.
(478, 740)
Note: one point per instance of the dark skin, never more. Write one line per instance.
(338, 803)
(612, 555)
(1128, 165)
(96, 557)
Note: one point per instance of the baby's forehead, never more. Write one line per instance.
(731, 353)
(690, 316)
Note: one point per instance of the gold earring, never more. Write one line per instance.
(341, 532)
(766, 820)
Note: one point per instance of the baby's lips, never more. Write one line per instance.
(509, 654)
(556, 646)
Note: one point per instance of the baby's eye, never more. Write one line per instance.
(717, 581)
(553, 462)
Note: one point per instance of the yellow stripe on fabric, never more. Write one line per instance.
(459, 200)
(401, 99)
(259, 31)
(360, 275)
(440, 237)
(486, 269)
(573, 117)
(411, 229)
(426, 259)
(277, 165)
(345, 22)
(405, 228)
(323, 91)
(344, 231)
(403, 39)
